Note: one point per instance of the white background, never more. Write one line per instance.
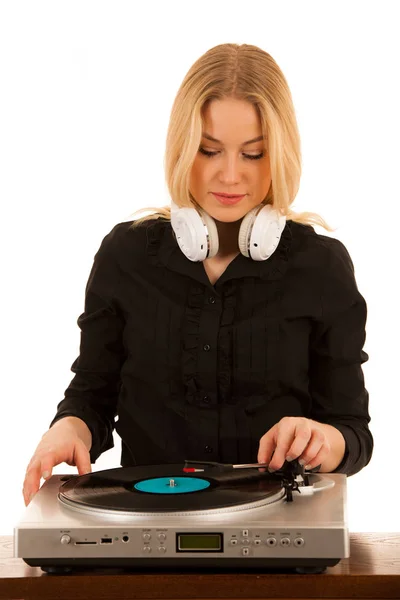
(86, 91)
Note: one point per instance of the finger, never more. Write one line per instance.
(267, 446)
(263, 469)
(39, 467)
(288, 432)
(82, 458)
(32, 480)
(311, 460)
(304, 435)
(318, 438)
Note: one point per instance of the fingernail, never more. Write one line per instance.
(45, 474)
(302, 462)
(289, 458)
(307, 467)
(271, 470)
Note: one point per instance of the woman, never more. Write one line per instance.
(227, 329)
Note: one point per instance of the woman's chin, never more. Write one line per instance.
(226, 214)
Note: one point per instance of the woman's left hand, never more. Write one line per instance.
(294, 437)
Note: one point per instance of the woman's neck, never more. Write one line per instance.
(228, 234)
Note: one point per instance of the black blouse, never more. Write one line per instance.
(199, 371)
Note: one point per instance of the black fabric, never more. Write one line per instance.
(200, 371)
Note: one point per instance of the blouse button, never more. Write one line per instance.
(208, 449)
(206, 347)
(206, 400)
(211, 300)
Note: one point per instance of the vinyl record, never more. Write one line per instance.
(167, 489)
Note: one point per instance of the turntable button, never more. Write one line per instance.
(245, 541)
(245, 533)
(257, 542)
(162, 549)
(147, 549)
(65, 539)
(146, 537)
(233, 542)
(245, 551)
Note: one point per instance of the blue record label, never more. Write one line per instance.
(172, 485)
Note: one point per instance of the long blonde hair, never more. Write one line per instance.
(244, 72)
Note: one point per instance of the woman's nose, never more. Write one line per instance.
(230, 170)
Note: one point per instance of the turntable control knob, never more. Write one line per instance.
(162, 537)
(146, 537)
(65, 539)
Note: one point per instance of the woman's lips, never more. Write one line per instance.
(228, 199)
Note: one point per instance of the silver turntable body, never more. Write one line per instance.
(311, 532)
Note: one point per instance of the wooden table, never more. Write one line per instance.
(372, 571)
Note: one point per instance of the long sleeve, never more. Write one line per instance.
(336, 383)
(93, 393)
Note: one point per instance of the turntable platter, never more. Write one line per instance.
(164, 489)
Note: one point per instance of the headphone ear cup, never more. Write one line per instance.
(213, 239)
(196, 233)
(245, 231)
(260, 232)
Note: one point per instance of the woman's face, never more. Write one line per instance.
(235, 167)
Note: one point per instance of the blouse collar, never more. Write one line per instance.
(164, 250)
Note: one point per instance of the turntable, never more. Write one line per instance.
(189, 515)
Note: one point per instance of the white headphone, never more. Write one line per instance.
(197, 235)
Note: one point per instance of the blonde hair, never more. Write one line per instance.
(244, 72)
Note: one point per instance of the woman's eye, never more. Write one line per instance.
(249, 156)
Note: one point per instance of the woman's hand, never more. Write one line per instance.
(296, 437)
(68, 440)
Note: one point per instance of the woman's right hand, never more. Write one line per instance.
(68, 440)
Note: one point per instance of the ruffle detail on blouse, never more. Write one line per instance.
(190, 336)
(225, 340)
